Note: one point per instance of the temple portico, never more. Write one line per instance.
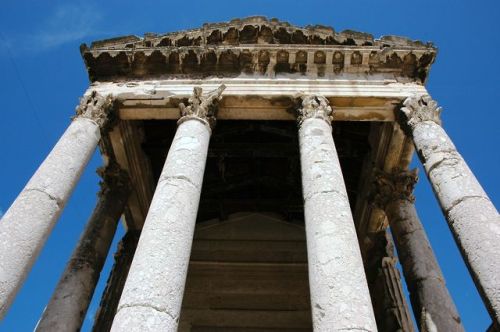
(263, 166)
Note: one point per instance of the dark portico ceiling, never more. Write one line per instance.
(255, 165)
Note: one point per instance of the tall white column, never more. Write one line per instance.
(472, 217)
(152, 296)
(340, 299)
(68, 305)
(28, 222)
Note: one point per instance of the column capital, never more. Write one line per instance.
(314, 106)
(201, 107)
(389, 187)
(95, 107)
(113, 178)
(419, 108)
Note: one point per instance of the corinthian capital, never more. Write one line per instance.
(389, 187)
(96, 108)
(314, 106)
(418, 109)
(202, 107)
(113, 178)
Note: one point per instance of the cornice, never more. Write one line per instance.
(258, 30)
(256, 46)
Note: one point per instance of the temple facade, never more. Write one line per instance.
(261, 171)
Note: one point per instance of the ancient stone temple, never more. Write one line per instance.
(257, 167)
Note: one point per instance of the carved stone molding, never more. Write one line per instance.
(201, 107)
(418, 109)
(260, 47)
(113, 178)
(389, 187)
(314, 106)
(96, 108)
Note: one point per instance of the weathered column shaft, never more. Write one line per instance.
(28, 222)
(152, 296)
(431, 301)
(69, 303)
(116, 280)
(425, 281)
(340, 299)
(472, 217)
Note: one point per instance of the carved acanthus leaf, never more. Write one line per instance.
(389, 187)
(201, 106)
(418, 109)
(314, 106)
(96, 108)
(113, 178)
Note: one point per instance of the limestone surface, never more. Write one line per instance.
(340, 299)
(152, 297)
(69, 303)
(422, 273)
(29, 221)
(471, 215)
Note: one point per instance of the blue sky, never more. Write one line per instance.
(42, 77)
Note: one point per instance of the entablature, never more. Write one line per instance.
(367, 99)
(257, 47)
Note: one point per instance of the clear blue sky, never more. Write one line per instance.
(42, 77)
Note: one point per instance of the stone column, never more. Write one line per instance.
(472, 217)
(384, 281)
(431, 302)
(28, 222)
(152, 297)
(340, 299)
(116, 280)
(396, 302)
(69, 303)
